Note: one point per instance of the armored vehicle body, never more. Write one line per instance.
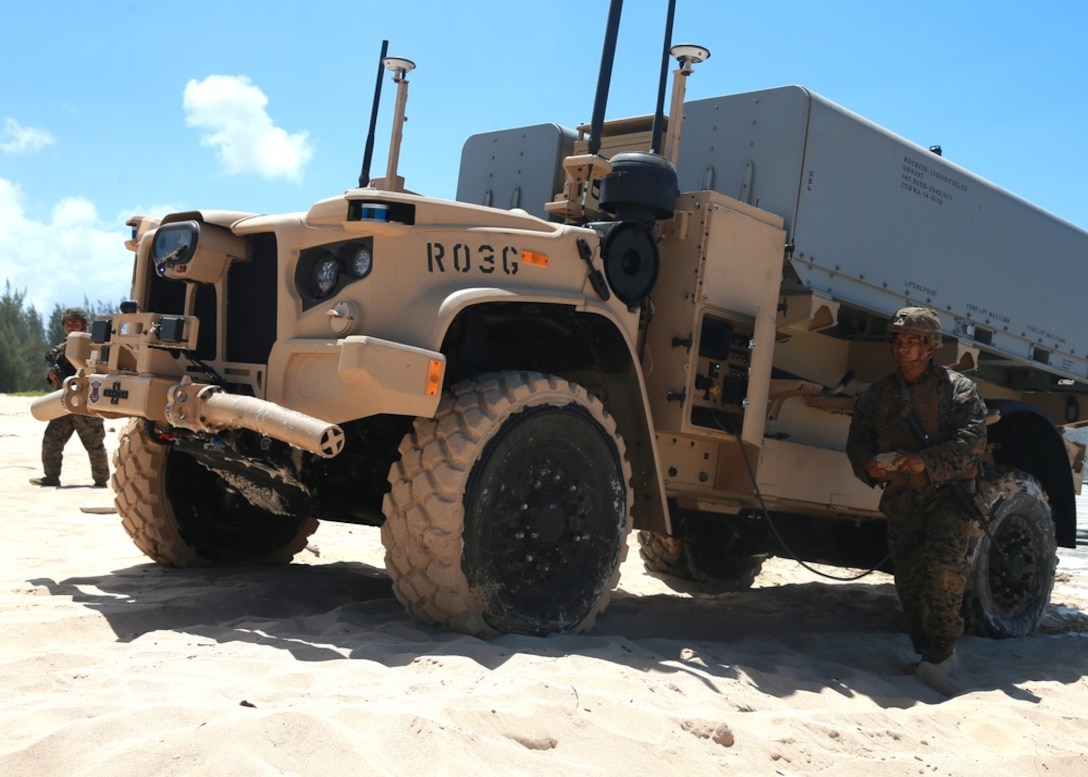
(615, 326)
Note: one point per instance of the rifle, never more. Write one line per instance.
(969, 502)
(58, 363)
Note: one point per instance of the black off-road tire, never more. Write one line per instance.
(1007, 597)
(707, 555)
(180, 514)
(662, 554)
(509, 511)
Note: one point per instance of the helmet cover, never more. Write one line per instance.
(918, 321)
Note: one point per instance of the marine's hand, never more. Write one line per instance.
(876, 470)
(911, 463)
(884, 465)
(881, 466)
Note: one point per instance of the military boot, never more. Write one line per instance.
(938, 675)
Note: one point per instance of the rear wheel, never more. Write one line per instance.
(509, 510)
(663, 554)
(1012, 574)
(703, 551)
(181, 514)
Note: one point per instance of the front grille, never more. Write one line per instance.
(206, 309)
(168, 297)
(251, 303)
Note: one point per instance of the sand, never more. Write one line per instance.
(111, 665)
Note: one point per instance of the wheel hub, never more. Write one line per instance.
(547, 520)
(544, 486)
(545, 531)
(1014, 580)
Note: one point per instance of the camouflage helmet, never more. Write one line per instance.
(919, 321)
(76, 312)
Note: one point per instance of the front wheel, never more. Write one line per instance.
(509, 510)
(1012, 570)
(181, 514)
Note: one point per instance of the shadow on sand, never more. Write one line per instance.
(846, 637)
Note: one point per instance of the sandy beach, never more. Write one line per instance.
(111, 665)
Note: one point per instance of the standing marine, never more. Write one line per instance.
(915, 433)
(90, 429)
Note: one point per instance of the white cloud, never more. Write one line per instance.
(230, 112)
(60, 261)
(17, 139)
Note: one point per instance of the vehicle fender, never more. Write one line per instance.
(1025, 438)
(621, 388)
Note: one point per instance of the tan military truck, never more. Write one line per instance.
(608, 329)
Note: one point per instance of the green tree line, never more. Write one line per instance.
(25, 337)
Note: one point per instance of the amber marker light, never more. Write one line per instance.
(535, 259)
(434, 378)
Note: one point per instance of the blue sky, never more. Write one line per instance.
(114, 108)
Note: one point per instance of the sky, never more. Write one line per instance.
(114, 108)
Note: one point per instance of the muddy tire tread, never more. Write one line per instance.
(424, 509)
(147, 515)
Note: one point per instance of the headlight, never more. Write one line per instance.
(361, 261)
(174, 244)
(325, 274)
(194, 251)
(331, 269)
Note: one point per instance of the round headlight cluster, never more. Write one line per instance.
(334, 265)
(325, 274)
(361, 261)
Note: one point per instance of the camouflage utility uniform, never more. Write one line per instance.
(91, 431)
(928, 529)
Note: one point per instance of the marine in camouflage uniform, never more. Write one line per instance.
(91, 430)
(929, 531)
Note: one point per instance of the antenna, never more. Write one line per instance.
(659, 112)
(687, 55)
(400, 68)
(368, 153)
(605, 77)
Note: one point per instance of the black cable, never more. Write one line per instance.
(774, 529)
